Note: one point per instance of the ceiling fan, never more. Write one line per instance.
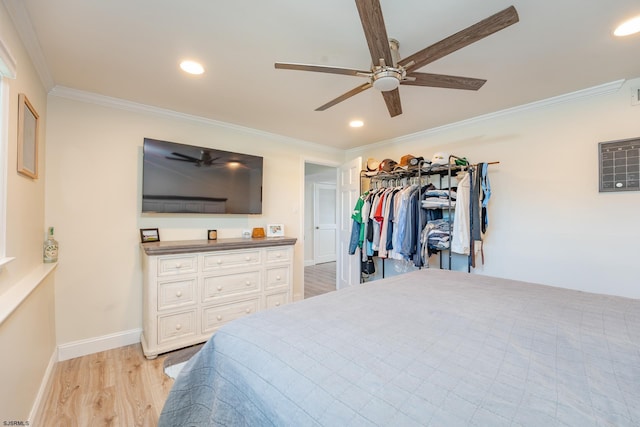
(389, 71)
(204, 160)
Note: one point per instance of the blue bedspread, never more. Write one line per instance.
(429, 348)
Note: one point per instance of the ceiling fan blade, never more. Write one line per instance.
(180, 159)
(345, 96)
(392, 99)
(184, 156)
(321, 69)
(375, 31)
(478, 31)
(444, 81)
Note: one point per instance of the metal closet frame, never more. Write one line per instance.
(419, 172)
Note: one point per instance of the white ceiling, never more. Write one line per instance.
(130, 49)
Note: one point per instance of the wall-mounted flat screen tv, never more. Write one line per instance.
(179, 178)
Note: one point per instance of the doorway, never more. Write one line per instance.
(320, 229)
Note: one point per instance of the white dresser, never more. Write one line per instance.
(191, 288)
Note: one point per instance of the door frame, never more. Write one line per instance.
(322, 162)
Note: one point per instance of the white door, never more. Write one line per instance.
(324, 223)
(348, 266)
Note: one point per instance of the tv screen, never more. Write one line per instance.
(178, 178)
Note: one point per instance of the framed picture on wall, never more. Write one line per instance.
(27, 138)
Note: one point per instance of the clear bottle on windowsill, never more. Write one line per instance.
(50, 250)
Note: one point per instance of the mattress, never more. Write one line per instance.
(427, 348)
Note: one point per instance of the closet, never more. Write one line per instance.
(410, 213)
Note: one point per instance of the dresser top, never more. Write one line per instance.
(188, 246)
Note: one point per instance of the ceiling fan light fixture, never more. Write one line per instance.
(386, 79)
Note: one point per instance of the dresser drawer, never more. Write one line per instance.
(216, 316)
(277, 276)
(278, 255)
(276, 300)
(229, 284)
(176, 293)
(171, 266)
(175, 326)
(220, 260)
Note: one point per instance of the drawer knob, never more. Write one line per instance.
(278, 278)
(219, 261)
(278, 255)
(219, 317)
(278, 304)
(247, 258)
(248, 310)
(179, 294)
(248, 283)
(178, 326)
(219, 288)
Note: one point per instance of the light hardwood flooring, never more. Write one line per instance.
(118, 387)
(319, 279)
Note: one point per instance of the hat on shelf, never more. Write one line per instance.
(387, 165)
(371, 167)
(405, 160)
(440, 158)
(415, 161)
(372, 164)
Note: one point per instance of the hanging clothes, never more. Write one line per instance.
(357, 232)
(485, 186)
(460, 243)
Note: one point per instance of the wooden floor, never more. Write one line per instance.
(319, 279)
(120, 387)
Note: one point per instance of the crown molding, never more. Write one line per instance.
(22, 22)
(602, 89)
(134, 107)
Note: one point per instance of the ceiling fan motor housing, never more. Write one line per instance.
(384, 77)
(387, 78)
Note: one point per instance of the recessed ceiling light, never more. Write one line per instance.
(192, 67)
(628, 27)
(356, 123)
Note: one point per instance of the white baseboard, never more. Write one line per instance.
(45, 385)
(96, 344)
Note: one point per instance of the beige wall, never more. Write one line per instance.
(28, 342)
(27, 336)
(93, 199)
(548, 222)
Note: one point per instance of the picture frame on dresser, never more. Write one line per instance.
(28, 123)
(149, 235)
(275, 230)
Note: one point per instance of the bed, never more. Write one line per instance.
(430, 347)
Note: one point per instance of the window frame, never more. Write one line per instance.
(7, 71)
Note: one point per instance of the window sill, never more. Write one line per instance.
(6, 260)
(14, 296)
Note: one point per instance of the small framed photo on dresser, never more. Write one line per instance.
(275, 230)
(149, 235)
